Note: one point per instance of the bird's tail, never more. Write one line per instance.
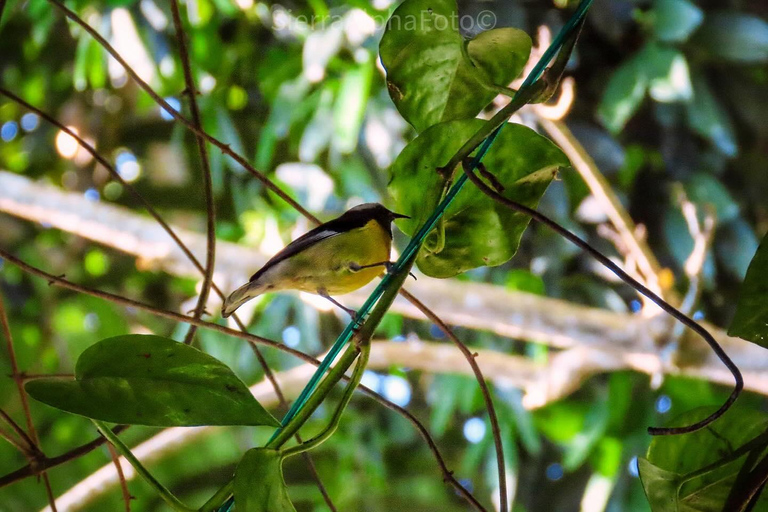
(240, 296)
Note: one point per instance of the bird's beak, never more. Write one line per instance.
(398, 216)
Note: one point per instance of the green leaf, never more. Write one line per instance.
(349, 108)
(751, 320)
(477, 230)
(259, 483)
(734, 36)
(623, 95)
(149, 380)
(708, 118)
(675, 20)
(695, 472)
(660, 486)
(435, 75)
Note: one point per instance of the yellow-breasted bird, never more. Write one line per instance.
(337, 257)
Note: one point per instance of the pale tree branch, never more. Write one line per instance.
(601, 190)
(473, 305)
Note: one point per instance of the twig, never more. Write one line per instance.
(121, 477)
(471, 359)
(35, 454)
(543, 219)
(210, 207)
(12, 439)
(30, 470)
(28, 448)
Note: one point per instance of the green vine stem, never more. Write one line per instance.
(397, 278)
(218, 499)
(364, 349)
(164, 493)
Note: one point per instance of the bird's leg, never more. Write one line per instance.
(354, 267)
(324, 294)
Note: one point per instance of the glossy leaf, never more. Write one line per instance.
(675, 20)
(708, 117)
(751, 320)
(623, 95)
(696, 471)
(150, 380)
(435, 75)
(735, 36)
(259, 483)
(478, 231)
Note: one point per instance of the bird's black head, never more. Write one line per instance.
(374, 211)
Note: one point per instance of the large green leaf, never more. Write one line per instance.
(695, 472)
(150, 380)
(478, 231)
(751, 320)
(433, 74)
(259, 483)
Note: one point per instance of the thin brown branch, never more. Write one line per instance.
(35, 453)
(177, 115)
(12, 439)
(640, 288)
(121, 477)
(210, 208)
(16, 375)
(28, 448)
(493, 418)
(31, 470)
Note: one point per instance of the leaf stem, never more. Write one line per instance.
(165, 494)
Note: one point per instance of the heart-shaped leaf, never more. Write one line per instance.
(477, 230)
(149, 380)
(695, 472)
(434, 74)
(259, 483)
(751, 320)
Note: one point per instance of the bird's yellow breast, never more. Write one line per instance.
(328, 264)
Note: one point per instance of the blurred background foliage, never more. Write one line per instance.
(667, 92)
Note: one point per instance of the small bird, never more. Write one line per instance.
(337, 257)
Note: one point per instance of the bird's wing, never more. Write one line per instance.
(321, 232)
